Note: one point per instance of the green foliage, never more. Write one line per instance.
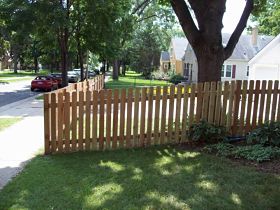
(176, 79)
(256, 152)
(268, 18)
(266, 134)
(207, 132)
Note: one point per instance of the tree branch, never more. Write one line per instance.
(239, 29)
(182, 11)
(141, 6)
(145, 18)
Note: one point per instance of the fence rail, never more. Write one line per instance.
(89, 118)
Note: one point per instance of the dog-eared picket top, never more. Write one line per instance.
(85, 116)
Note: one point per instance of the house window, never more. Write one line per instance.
(227, 71)
(248, 68)
(165, 66)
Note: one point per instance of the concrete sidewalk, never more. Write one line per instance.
(21, 141)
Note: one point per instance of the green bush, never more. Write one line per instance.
(266, 134)
(205, 132)
(256, 152)
(176, 79)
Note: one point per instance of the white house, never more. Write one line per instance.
(266, 64)
(237, 66)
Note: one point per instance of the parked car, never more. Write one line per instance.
(57, 77)
(46, 83)
(73, 77)
(91, 74)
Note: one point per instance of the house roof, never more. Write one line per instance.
(179, 46)
(274, 42)
(164, 56)
(244, 49)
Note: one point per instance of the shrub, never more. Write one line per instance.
(266, 134)
(176, 79)
(255, 152)
(159, 75)
(205, 132)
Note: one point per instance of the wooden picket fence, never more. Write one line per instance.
(95, 119)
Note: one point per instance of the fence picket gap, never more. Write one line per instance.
(136, 117)
(88, 109)
(81, 121)
(101, 119)
(274, 103)
(218, 104)
(122, 117)
(236, 107)
(185, 113)
(156, 117)
(163, 115)
(115, 119)
(171, 114)
(143, 116)
(192, 100)
(129, 117)
(178, 113)
(262, 100)
(256, 104)
(268, 101)
(150, 115)
(74, 122)
(108, 118)
(67, 122)
(249, 107)
(212, 99)
(94, 118)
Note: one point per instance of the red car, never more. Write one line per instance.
(46, 83)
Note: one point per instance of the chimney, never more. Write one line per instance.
(254, 40)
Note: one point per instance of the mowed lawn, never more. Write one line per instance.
(154, 178)
(133, 79)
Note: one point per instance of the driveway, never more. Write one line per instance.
(15, 91)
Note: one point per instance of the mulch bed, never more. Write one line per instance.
(272, 166)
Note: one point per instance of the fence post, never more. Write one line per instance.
(47, 123)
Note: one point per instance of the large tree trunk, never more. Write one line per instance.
(206, 36)
(116, 68)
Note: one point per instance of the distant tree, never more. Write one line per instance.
(268, 19)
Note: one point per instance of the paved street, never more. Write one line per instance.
(16, 91)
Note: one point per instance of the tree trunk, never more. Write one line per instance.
(15, 63)
(116, 68)
(107, 66)
(36, 68)
(210, 60)
(123, 68)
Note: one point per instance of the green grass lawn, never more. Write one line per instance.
(6, 122)
(10, 76)
(133, 79)
(154, 178)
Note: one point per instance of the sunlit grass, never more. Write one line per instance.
(7, 122)
(133, 79)
(134, 179)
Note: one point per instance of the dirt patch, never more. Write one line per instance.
(272, 166)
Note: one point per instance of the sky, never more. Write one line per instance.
(234, 9)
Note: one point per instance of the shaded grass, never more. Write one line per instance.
(133, 79)
(7, 122)
(154, 178)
